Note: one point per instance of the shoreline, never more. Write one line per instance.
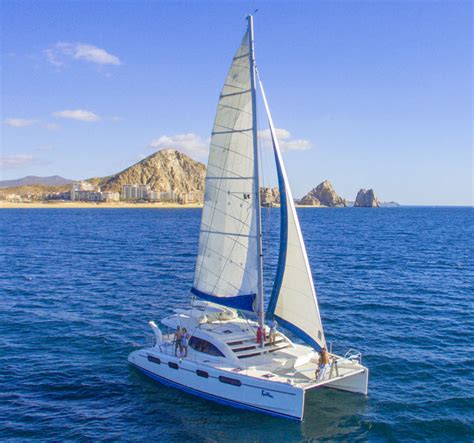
(93, 205)
(112, 205)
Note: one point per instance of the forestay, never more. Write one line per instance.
(226, 267)
(293, 301)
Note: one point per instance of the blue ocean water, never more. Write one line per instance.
(77, 287)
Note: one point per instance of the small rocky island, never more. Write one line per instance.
(323, 195)
(366, 198)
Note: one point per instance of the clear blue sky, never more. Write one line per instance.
(373, 94)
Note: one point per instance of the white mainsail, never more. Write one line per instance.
(293, 301)
(227, 262)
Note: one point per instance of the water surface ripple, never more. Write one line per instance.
(77, 288)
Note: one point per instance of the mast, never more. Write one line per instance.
(260, 313)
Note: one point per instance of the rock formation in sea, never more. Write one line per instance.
(269, 196)
(366, 198)
(323, 195)
(165, 170)
(390, 204)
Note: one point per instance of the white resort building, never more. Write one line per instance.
(84, 191)
(135, 192)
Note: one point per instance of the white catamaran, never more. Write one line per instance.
(230, 358)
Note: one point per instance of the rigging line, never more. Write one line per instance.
(267, 221)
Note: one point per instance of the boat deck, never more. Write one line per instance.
(303, 376)
(279, 366)
(282, 362)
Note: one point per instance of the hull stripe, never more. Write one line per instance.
(211, 397)
(242, 375)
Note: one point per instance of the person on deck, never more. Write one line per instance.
(324, 363)
(273, 331)
(261, 336)
(184, 343)
(177, 341)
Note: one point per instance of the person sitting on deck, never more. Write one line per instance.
(177, 341)
(273, 331)
(324, 363)
(184, 343)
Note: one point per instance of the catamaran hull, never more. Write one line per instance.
(357, 383)
(277, 399)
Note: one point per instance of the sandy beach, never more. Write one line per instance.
(87, 205)
(120, 205)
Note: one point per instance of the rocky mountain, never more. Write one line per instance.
(171, 170)
(323, 195)
(163, 171)
(366, 198)
(33, 180)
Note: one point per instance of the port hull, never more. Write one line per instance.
(222, 386)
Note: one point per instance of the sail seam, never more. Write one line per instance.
(241, 56)
(232, 131)
(246, 91)
(228, 233)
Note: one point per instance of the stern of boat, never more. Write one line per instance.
(345, 374)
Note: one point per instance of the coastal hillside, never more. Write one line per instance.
(33, 180)
(33, 191)
(163, 171)
(171, 170)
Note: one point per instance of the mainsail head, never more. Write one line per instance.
(226, 267)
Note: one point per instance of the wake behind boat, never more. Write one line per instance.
(231, 355)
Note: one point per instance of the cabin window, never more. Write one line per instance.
(154, 359)
(173, 365)
(204, 346)
(229, 381)
(203, 374)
